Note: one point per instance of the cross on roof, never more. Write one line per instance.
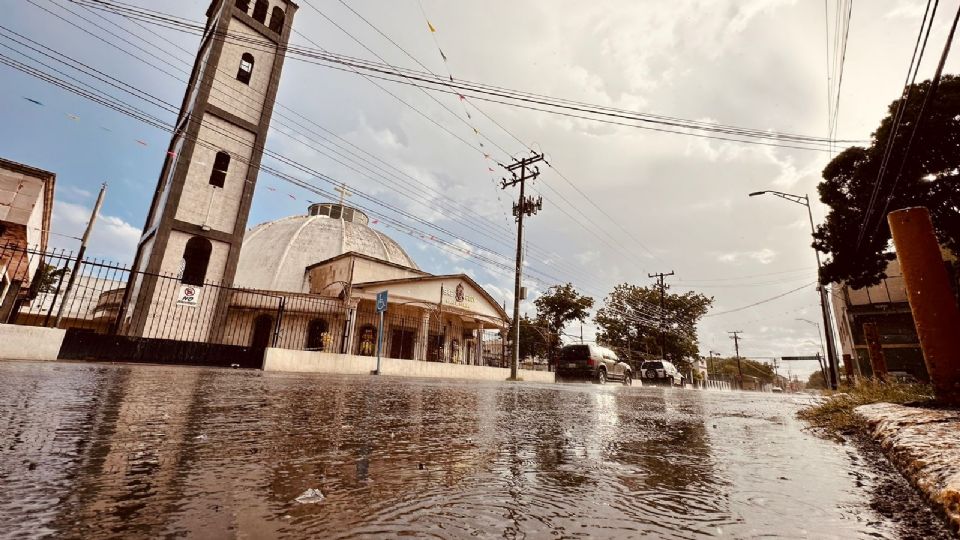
(343, 191)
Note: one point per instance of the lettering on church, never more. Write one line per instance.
(459, 295)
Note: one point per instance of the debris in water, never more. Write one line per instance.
(310, 496)
(200, 437)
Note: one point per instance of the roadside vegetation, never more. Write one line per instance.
(835, 414)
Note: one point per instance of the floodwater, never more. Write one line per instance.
(143, 452)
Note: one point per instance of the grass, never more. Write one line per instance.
(835, 415)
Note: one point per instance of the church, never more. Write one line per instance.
(305, 282)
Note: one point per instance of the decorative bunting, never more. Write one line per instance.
(443, 55)
(271, 188)
(171, 153)
(35, 102)
(430, 26)
(291, 196)
(141, 142)
(73, 117)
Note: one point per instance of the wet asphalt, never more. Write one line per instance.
(98, 451)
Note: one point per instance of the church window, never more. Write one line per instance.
(262, 331)
(260, 11)
(218, 176)
(243, 5)
(196, 257)
(276, 19)
(246, 68)
(318, 338)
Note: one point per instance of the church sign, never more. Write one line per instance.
(189, 295)
(458, 295)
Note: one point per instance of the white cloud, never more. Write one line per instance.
(762, 256)
(112, 238)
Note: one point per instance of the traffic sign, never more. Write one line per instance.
(815, 357)
(381, 301)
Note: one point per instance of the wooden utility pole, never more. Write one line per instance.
(80, 254)
(736, 345)
(663, 288)
(525, 206)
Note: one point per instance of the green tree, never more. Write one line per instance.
(45, 279)
(556, 308)
(930, 177)
(533, 338)
(816, 382)
(752, 369)
(629, 322)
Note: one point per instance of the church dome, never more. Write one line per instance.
(276, 254)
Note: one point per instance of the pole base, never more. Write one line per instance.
(375, 372)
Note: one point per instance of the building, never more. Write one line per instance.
(328, 267)
(198, 215)
(887, 306)
(26, 204)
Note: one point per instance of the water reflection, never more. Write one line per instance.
(99, 451)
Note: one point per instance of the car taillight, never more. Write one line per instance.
(590, 361)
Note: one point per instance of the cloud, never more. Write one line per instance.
(762, 256)
(112, 238)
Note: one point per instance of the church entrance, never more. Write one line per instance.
(262, 330)
(401, 343)
(435, 348)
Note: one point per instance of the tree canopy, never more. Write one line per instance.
(929, 176)
(629, 325)
(557, 307)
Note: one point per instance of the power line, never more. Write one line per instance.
(771, 299)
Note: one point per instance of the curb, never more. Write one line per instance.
(924, 445)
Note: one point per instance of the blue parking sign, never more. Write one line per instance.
(381, 301)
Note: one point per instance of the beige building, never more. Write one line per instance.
(887, 306)
(328, 267)
(26, 204)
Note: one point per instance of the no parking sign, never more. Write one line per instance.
(189, 296)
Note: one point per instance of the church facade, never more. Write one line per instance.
(305, 282)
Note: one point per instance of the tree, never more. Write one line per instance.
(816, 382)
(560, 305)
(533, 338)
(752, 370)
(629, 322)
(930, 177)
(45, 279)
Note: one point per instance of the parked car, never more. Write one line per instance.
(592, 363)
(660, 372)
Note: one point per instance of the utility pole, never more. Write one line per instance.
(663, 288)
(80, 254)
(736, 345)
(525, 206)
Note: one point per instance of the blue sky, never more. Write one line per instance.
(757, 63)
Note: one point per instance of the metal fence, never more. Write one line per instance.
(53, 289)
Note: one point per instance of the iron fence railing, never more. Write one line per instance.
(110, 298)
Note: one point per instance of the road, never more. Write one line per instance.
(142, 451)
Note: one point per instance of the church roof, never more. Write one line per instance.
(275, 255)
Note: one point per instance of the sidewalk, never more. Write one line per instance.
(924, 444)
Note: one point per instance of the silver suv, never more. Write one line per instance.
(660, 372)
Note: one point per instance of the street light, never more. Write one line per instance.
(827, 323)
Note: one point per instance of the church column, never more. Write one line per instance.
(480, 344)
(423, 336)
(351, 327)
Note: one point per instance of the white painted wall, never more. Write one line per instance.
(320, 362)
(29, 342)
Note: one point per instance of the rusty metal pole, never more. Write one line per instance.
(935, 312)
(877, 361)
(848, 366)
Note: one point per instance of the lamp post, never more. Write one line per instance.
(824, 306)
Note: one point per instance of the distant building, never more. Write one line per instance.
(886, 305)
(26, 204)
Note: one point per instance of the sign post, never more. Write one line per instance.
(381, 309)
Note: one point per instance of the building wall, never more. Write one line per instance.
(231, 95)
(202, 203)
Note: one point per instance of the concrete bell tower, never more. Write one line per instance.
(197, 220)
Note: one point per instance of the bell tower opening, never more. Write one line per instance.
(199, 212)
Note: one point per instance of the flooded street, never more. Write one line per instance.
(143, 452)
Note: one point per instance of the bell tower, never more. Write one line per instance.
(196, 223)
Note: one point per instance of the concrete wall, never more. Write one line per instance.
(29, 342)
(319, 362)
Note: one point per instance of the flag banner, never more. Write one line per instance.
(35, 102)
(430, 26)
